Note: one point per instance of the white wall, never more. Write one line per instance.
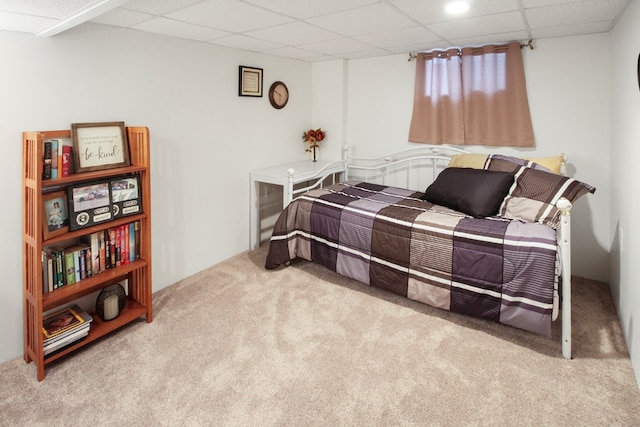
(568, 90)
(204, 138)
(329, 106)
(625, 174)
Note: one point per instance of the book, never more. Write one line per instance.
(67, 158)
(54, 159)
(51, 271)
(95, 253)
(125, 236)
(107, 250)
(112, 247)
(137, 238)
(118, 246)
(64, 320)
(88, 262)
(66, 335)
(102, 253)
(66, 341)
(132, 241)
(46, 169)
(70, 272)
(45, 273)
(60, 270)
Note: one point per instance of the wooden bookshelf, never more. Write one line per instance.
(135, 274)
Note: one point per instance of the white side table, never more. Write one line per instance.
(286, 175)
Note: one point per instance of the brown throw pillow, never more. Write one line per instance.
(475, 192)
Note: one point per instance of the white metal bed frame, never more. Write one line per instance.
(381, 169)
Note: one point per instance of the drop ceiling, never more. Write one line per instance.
(319, 30)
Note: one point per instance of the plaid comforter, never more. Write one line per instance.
(501, 270)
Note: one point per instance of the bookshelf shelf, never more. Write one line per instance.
(135, 275)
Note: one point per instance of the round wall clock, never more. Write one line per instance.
(278, 95)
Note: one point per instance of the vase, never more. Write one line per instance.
(314, 153)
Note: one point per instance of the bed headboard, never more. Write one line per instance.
(414, 168)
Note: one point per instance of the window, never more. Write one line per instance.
(472, 96)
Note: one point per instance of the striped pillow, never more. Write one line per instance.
(534, 193)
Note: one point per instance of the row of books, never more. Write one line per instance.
(58, 159)
(93, 254)
(65, 327)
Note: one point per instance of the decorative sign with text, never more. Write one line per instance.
(99, 146)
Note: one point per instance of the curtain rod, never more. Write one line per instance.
(528, 44)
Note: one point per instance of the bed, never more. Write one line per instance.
(485, 235)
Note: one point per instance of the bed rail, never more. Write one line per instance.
(318, 179)
(398, 169)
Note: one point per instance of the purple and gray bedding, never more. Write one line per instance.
(496, 268)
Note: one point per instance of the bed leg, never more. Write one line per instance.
(565, 253)
(566, 318)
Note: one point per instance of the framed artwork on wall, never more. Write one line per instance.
(250, 81)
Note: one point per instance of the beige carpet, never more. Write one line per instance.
(239, 345)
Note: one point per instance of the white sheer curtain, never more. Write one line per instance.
(473, 96)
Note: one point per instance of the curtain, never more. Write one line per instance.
(472, 96)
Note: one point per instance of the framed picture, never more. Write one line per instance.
(98, 146)
(56, 214)
(250, 81)
(125, 195)
(89, 204)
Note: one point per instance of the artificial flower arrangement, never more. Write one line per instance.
(314, 137)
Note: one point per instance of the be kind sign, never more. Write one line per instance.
(99, 146)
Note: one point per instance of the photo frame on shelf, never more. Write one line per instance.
(56, 214)
(89, 204)
(125, 195)
(98, 146)
(249, 81)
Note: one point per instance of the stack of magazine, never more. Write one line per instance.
(65, 327)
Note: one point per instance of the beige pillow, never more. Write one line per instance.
(477, 161)
(471, 160)
(554, 163)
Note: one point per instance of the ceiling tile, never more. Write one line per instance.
(364, 20)
(411, 35)
(229, 15)
(572, 13)
(302, 9)
(294, 32)
(24, 23)
(122, 17)
(158, 7)
(337, 46)
(571, 30)
(364, 53)
(171, 27)
(429, 12)
(44, 8)
(292, 52)
(471, 27)
(240, 41)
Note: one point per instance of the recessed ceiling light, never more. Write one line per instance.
(457, 7)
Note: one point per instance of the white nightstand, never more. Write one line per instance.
(287, 175)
